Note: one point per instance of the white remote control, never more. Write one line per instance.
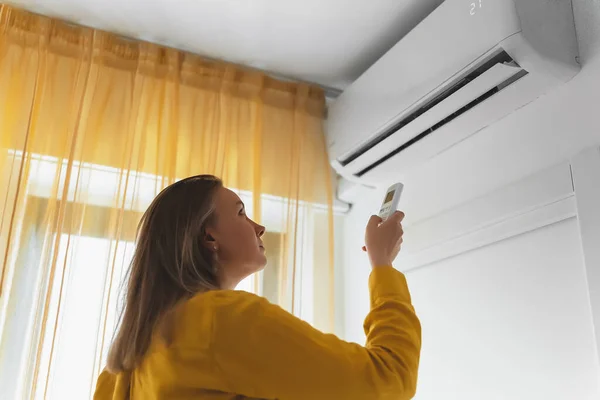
(391, 200)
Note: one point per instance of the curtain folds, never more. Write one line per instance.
(92, 126)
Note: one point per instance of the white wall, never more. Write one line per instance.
(502, 290)
(508, 321)
(549, 280)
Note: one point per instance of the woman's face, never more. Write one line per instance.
(235, 239)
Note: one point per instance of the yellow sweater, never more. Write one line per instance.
(230, 343)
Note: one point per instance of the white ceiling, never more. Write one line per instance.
(329, 42)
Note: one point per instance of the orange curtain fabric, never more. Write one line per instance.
(92, 126)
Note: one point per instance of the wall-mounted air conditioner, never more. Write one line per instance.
(468, 64)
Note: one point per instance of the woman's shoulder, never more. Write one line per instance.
(226, 303)
(197, 319)
(224, 299)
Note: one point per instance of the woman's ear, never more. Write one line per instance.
(210, 243)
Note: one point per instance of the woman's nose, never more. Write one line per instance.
(260, 230)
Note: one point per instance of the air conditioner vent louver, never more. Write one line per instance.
(500, 58)
(445, 121)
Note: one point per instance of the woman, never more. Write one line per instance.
(186, 334)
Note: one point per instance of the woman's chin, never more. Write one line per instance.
(258, 265)
(262, 264)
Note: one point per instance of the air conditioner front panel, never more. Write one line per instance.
(492, 78)
(486, 113)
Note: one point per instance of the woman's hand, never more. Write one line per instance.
(384, 239)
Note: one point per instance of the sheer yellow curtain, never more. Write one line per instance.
(92, 126)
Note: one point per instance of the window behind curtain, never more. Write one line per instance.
(89, 290)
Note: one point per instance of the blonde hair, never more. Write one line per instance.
(170, 264)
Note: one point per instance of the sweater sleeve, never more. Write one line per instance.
(265, 352)
(112, 387)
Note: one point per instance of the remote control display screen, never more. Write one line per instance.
(389, 197)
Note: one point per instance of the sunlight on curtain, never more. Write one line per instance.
(92, 127)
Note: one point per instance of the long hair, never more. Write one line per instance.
(170, 264)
